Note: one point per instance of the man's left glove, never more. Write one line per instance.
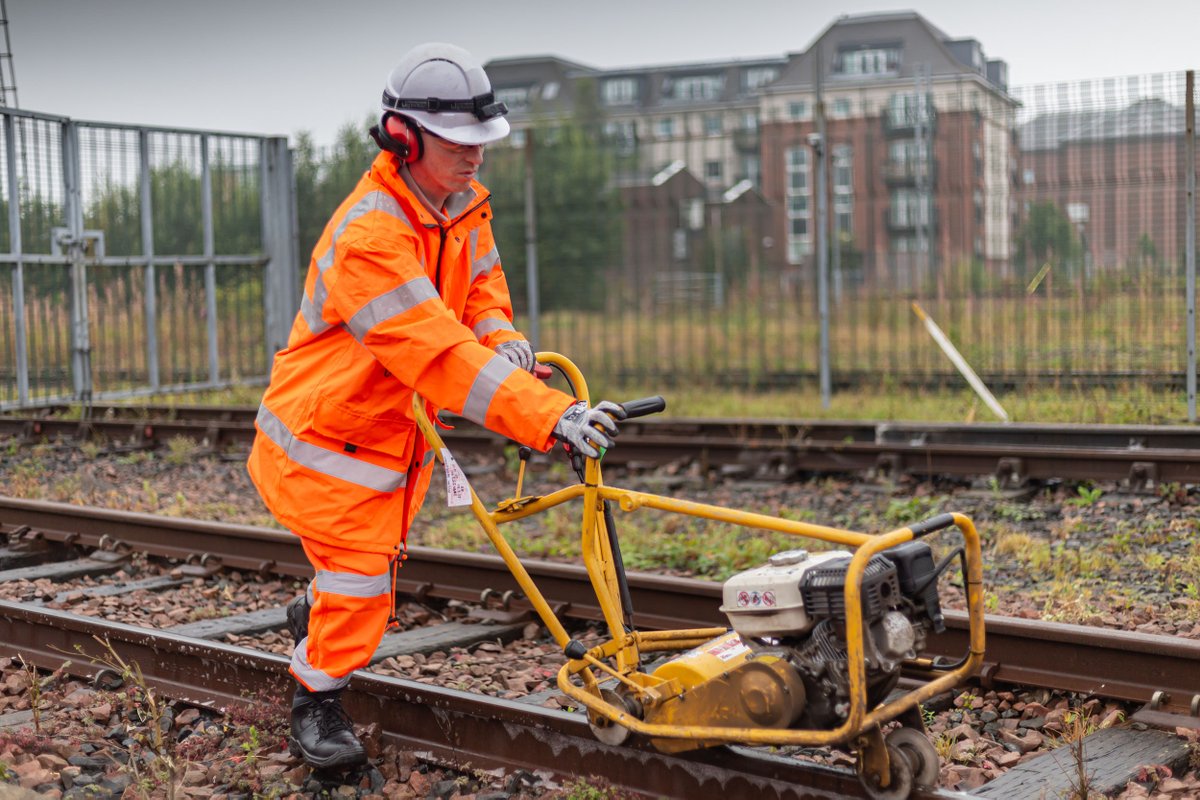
(519, 352)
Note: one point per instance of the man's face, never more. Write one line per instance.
(446, 167)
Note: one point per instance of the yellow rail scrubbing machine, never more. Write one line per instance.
(816, 638)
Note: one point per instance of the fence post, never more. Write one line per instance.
(210, 268)
(820, 149)
(1190, 148)
(281, 285)
(18, 275)
(150, 278)
(531, 249)
(73, 246)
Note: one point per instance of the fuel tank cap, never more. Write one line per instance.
(788, 557)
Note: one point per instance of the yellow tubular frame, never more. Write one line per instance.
(624, 647)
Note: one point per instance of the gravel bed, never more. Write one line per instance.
(1078, 554)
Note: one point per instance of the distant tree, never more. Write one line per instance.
(578, 211)
(1147, 251)
(325, 177)
(1048, 237)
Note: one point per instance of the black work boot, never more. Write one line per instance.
(297, 618)
(322, 733)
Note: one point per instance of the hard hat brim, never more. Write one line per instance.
(463, 130)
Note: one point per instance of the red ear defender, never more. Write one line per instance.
(407, 140)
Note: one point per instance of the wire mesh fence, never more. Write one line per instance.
(136, 259)
(1043, 228)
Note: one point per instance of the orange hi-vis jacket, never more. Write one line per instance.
(397, 299)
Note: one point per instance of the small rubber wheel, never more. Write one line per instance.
(606, 730)
(902, 778)
(922, 755)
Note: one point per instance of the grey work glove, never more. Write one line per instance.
(577, 426)
(519, 352)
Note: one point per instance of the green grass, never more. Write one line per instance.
(1134, 405)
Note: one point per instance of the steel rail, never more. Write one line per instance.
(1143, 456)
(445, 725)
(1132, 666)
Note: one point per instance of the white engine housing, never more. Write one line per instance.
(766, 602)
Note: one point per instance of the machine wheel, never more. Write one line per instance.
(922, 755)
(605, 729)
(902, 778)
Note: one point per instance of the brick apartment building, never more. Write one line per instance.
(919, 137)
(1116, 173)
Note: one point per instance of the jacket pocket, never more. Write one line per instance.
(390, 436)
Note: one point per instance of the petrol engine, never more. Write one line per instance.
(792, 610)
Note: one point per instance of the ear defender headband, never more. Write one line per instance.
(483, 106)
(398, 136)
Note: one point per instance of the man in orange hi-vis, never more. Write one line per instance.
(404, 293)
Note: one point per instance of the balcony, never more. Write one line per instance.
(905, 221)
(903, 121)
(746, 140)
(908, 172)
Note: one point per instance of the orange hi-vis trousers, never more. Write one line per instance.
(350, 599)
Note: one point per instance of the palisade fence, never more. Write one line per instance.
(135, 259)
(1045, 233)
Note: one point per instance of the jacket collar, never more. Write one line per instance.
(387, 169)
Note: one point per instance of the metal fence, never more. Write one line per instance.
(136, 259)
(1044, 229)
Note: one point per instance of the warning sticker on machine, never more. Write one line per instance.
(726, 649)
(754, 598)
(458, 491)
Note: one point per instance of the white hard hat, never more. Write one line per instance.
(443, 89)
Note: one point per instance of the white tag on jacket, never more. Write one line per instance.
(458, 491)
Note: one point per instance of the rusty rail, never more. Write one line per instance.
(1159, 670)
(446, 725)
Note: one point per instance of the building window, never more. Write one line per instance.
(517, 139)
(798, 110)
(843, 189)
(799, 211)
(666, 128)
(1029, 177)
(694, 87)
(619, 91)
(750, 121)
(712, 125)
(550, 90)
(516, 98)
(907, 210)
(867, 61)
(712, 170)
(906, 110)
(755, 77)
(841, 107)
(622, 134)
(751, 169)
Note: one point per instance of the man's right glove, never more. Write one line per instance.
(577, 426)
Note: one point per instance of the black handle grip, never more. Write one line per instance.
(644, 406)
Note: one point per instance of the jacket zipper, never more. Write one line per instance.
(443, 230)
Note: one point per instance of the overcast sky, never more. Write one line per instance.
(283, 66)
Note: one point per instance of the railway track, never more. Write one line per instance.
(1160, 673)
(1138, 456)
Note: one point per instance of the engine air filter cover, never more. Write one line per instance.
(767, 601)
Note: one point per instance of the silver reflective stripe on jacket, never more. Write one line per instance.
(391, 303)
(313, 678)
(313, 309)
(328, 462)
(486, 326)
(479, 399)
(484, 263)
(350, 584)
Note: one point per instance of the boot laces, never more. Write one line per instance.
(332, 718)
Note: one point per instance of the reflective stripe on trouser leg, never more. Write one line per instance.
(351, 600)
